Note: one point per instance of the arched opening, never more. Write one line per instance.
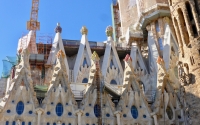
(142, 87)
(157, 26)
(59, 109)
(197, 3)
(85, 62)
(85, 80)
(13, 123)
(191, 17)
(134, 112)
(111, 63)
(178, 34)
(20, 108)
(97, 110)
(170, 2)
(169, 112)
(7, 122)
(185, 36)
(137, 64)
(160, 44)
(113, 82)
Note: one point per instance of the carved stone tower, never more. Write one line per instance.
(185, 16)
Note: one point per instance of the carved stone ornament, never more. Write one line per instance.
(84, 30)
(160, 60)
(127, 58)
(109, 31)
(148, 27)
(95, 56)
(18, 122)
(60, 54)
(59, 123)
(183, 73)
(166, 20)
(58, 29)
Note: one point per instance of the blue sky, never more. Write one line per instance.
(72, 15)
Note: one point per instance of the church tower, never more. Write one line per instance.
(185, 15)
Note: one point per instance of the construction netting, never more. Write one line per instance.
(8, 63)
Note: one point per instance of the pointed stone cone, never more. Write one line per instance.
(56, 46)
(84, 44)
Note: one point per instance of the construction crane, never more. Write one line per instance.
(33, 25)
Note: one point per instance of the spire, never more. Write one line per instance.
(83, 61)
(56, 46)
(111, 67)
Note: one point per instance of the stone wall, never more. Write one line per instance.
(128, 13)
(185, 23)
(3, 84)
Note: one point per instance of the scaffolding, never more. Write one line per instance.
(38, 54)
(27, 41)
(38, 61)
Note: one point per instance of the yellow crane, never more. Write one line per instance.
(33, 24)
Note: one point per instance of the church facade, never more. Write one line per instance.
(146, 72)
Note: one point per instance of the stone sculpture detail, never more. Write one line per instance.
(183, 73)
(84, 30)
(109, 31)
(58, 29)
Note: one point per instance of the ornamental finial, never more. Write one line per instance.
(58, 29)
(109, 31)
(95, 56)
(128, 58)
(84, 30)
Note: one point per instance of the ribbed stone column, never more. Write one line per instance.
(118, 114)
(79, 114)
(155, 119)
(39, 111)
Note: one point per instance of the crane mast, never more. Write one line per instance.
(33, 24)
